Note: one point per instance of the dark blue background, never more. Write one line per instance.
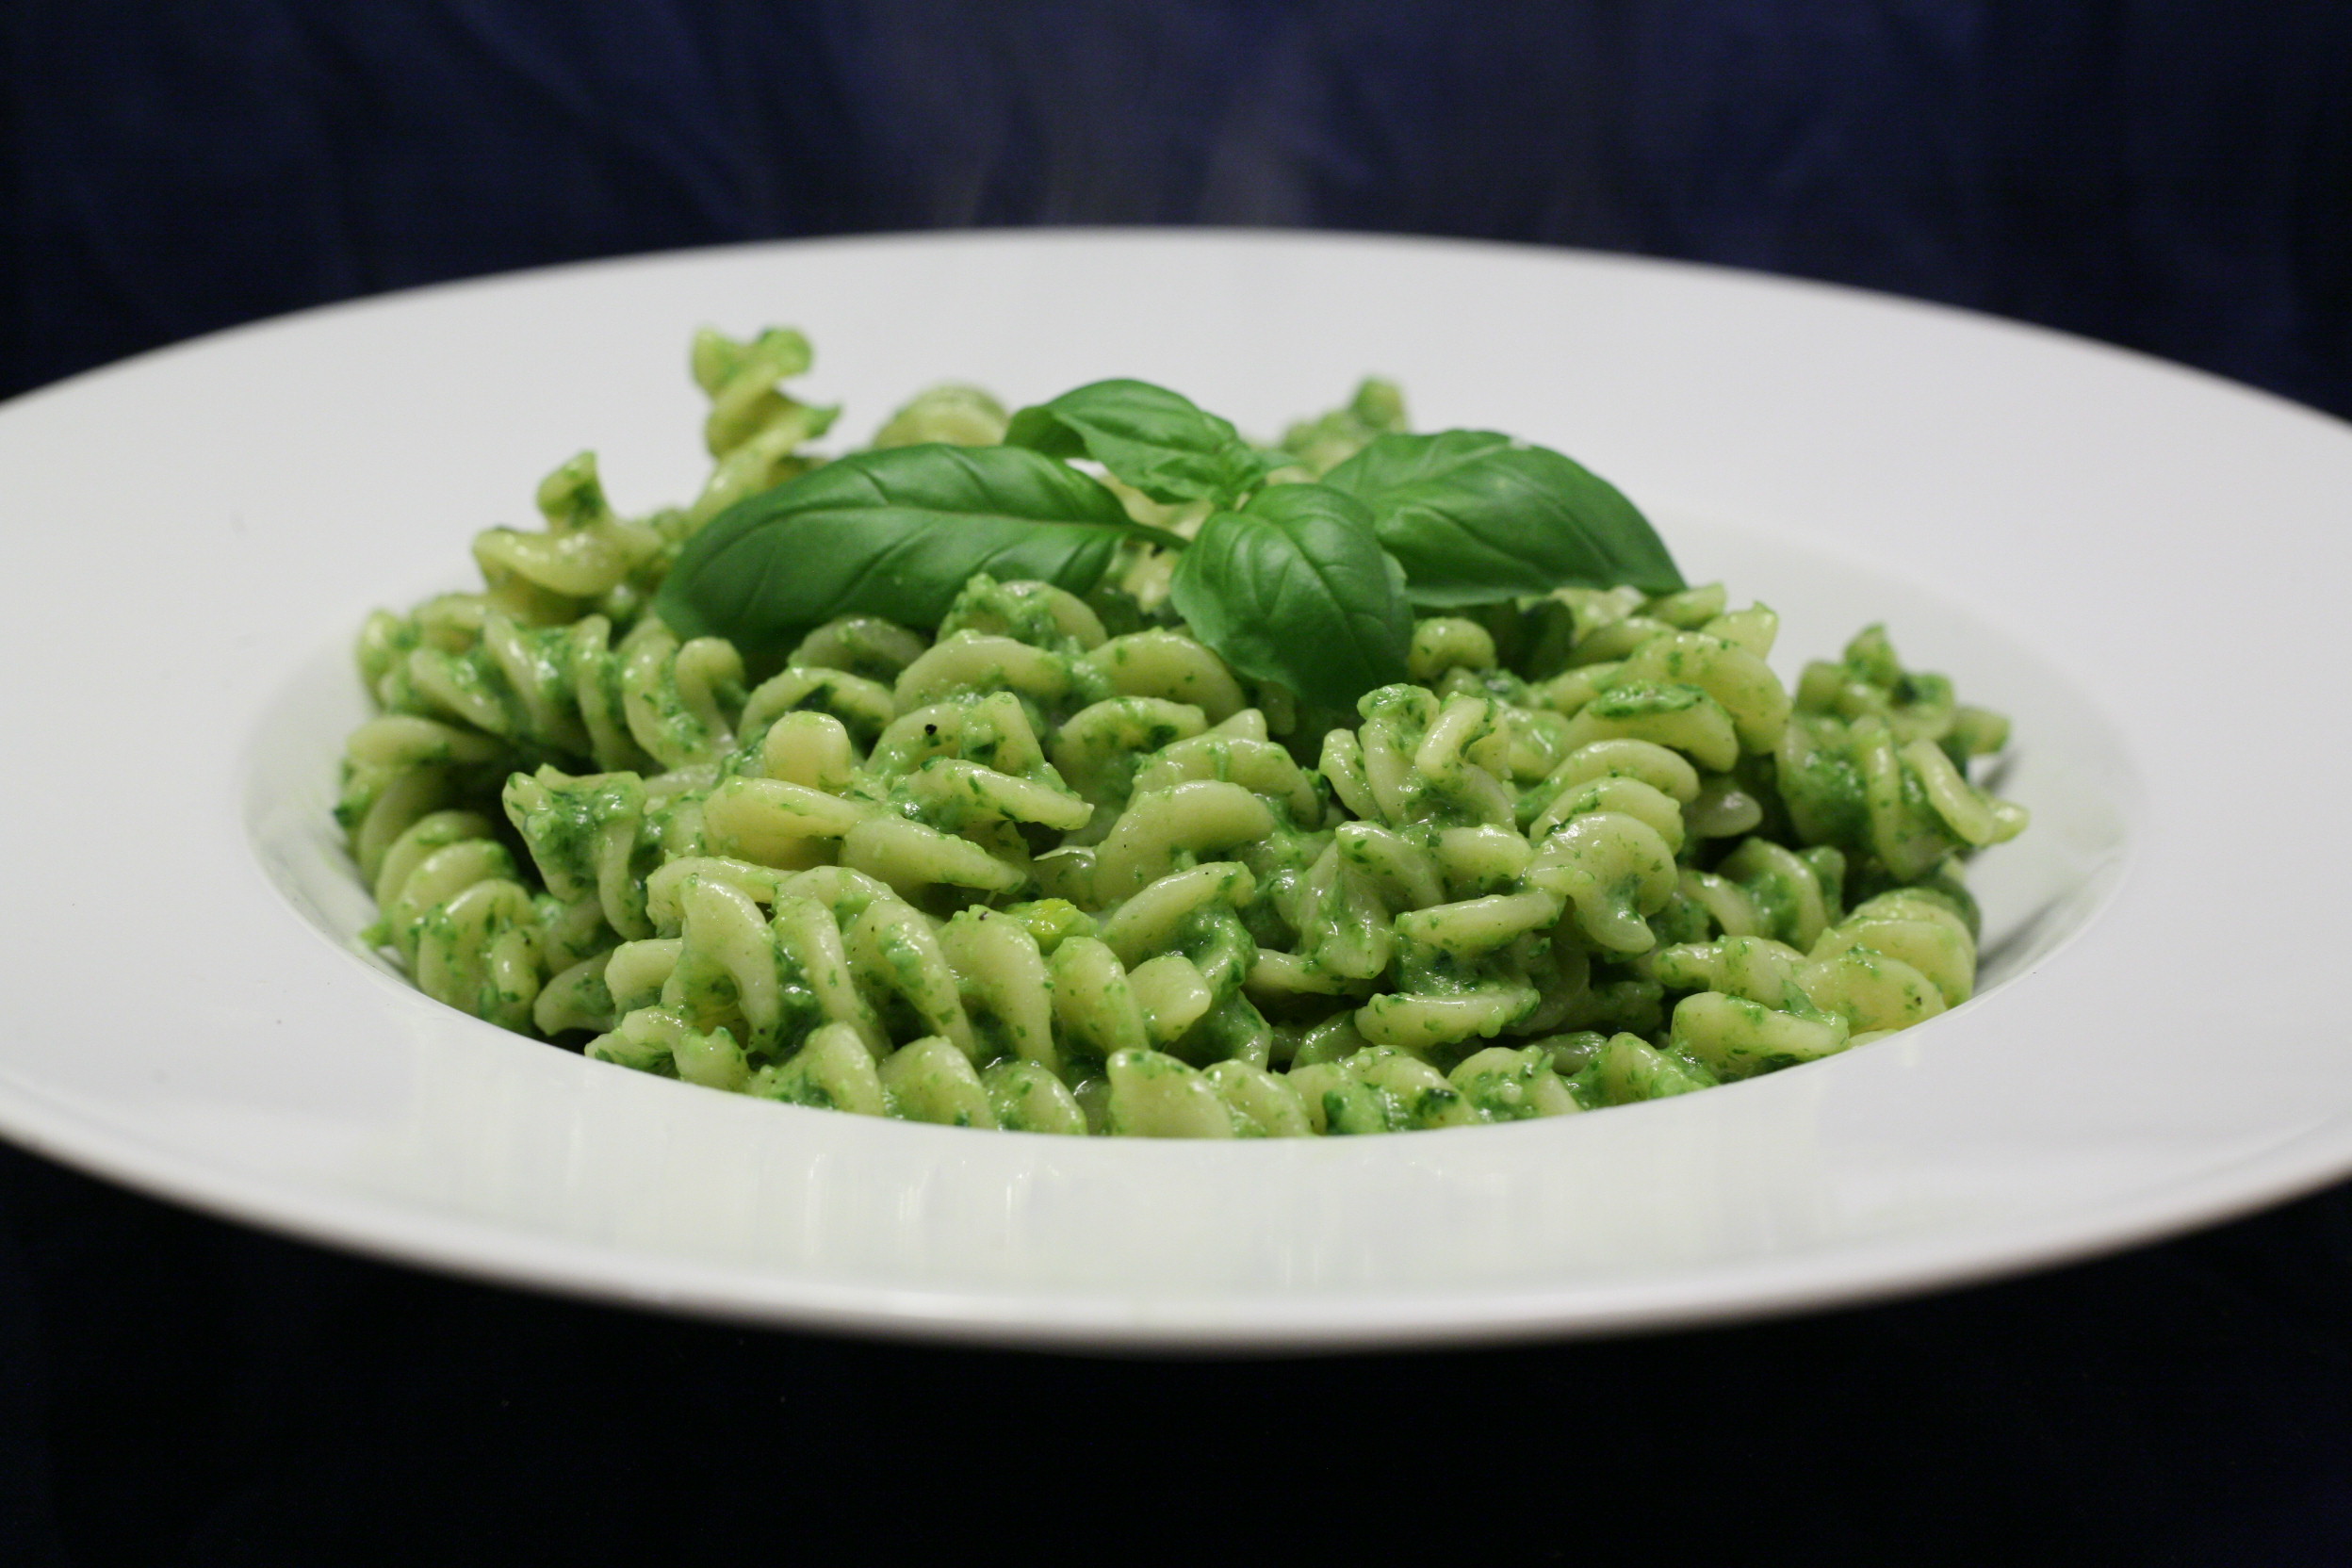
(2173, 176)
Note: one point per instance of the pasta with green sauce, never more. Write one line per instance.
(1052, 864)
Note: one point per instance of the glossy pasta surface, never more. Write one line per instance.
(1052, 866)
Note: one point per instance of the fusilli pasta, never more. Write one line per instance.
(1053, 866)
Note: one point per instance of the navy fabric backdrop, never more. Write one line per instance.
(2171, 174)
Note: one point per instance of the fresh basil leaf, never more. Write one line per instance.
(893, 533)
(1156, 440)
(1295, 588)
(1475, 516)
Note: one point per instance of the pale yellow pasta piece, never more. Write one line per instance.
(1101, 745)
(726, 967)
(1438, 770)
(714, 1061)
(1737, 1035)
(1153, 1096)
(406, 741)
(1147, 923)
(1248, 724)
(1343, 765)
(1173, 994)
(847, 699)
(1755, 967)
(809, 939)
(833, 1070)
(1262, 1103)
(864, 646)
(813, 750)
(534, 679)
(1614, 868)
(1946, 957)
(1406, 874)
(604, 861)
(1002, 977)
(1275, 973)
(1420, 1021)
(1909, 903)
(1095, 1009)
(1910, 842)
(1745, 686)
(636, 972)
(1571, 690)
(1561, 974)
(1380, 1090)
(975, 662)
(1869, 991)
(892, 952)
(1973, 816)
(1479, 926)
(771, 823)
(1504, 1084)
(437, 877)
(1172, 667)
(1629, 796)
(1198, 818)
(911, 858)
(993, 729)
(404, 798)
(1662, 770)
(1725, 901)
(1024, 609)
(475, 953)
(1617, 638)
(1784, 887)
(1680, 716)
(930, 1080)
(1066, 872)
(575, 999)
(1754, 628)
(1258, 767)
(1722, 810)
(1344, 921)
(645, 1038)
(421, 839)
(667, 885)
(585, 550)
(953, 790)
(671, 694)
(1027, 1098)
(1688, 607)
(1446, 643)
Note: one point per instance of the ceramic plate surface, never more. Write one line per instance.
(2144, 567)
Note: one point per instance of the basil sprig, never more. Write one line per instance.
(1475, 516)
(893, 533)
(1313, 586)
(1160, 442)
(1294, 588)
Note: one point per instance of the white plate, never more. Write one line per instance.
(2143, 565)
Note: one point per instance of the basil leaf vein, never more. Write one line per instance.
(1475, 516)
(1159, 441)
(893, 533)
(1295, 588)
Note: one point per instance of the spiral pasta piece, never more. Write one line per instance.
(585, 555)
(755, 431)
(459, 916)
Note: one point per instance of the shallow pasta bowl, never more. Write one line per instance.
(2138, 563)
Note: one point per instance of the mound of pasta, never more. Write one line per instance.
(1060, 857)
